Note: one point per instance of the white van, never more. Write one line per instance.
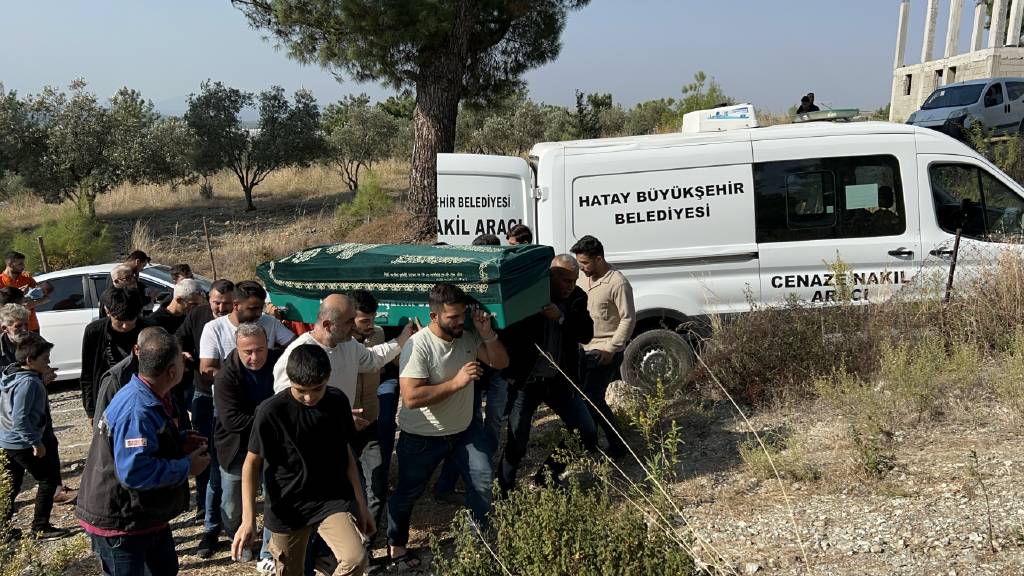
(705, 223)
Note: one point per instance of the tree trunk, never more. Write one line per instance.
(247, 189)
(437, 107)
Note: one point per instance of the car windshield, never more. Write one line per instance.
(954, 96)
(161, 272)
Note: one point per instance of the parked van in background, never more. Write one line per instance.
(995, 103)
(705, 223)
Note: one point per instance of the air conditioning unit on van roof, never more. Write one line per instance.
(733, 117)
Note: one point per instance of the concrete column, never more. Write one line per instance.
(978, 31)
(956, 13)
(901, 34)
(931, 16)
(997, 31)
(1013, 26)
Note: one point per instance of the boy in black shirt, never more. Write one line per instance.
(300, 439)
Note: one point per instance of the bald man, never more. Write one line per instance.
(560, 328)
(349, 358)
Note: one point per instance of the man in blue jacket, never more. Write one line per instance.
(26, 430)
(136, 475)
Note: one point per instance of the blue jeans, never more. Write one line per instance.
(418, 457)
(492, 417)
(149, 554)
(208, 485)
(387, 426)
(231, 506)
(595, 384)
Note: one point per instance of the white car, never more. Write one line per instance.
(75, 302)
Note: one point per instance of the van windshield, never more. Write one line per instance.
(955, 96)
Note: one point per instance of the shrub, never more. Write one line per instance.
(782, 452)
(574, 531)
(1009, 386)
(74, 239)
(371, 202)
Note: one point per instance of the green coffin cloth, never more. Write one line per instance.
(511, 282)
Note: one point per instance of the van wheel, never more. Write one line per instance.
(656, 355)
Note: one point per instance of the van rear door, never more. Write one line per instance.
(479, 194)
(836, 209)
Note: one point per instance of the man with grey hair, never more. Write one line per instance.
(135, 480)
(188, 294)
(559, 329)
(123, 276)
(14, 319)
(244, 380)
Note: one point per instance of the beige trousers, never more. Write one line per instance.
(340, 533)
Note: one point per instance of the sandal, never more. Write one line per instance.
(408, 561)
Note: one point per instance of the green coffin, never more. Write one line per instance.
(511, 282)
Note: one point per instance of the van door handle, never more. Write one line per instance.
(941, 252)
(901, 252)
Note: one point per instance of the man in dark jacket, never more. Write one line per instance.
(559, 329)
(135, 479)
(121, 374)
(108, 340)
(244, 381)
(222, 302)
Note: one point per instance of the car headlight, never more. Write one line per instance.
(957, 114)
(912, 118)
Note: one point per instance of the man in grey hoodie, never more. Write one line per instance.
(26, 431)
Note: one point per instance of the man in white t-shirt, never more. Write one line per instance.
(437, 370)
(215, 345)
(349, 358)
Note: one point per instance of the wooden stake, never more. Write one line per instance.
(209, 249)
(42, 254)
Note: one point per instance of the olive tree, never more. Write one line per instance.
(288, 134)
(446, 51)
(358, 136)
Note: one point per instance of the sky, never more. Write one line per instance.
(766, 52)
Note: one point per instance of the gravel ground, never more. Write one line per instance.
(929, 516)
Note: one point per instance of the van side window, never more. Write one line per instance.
(1014, 91)
(994, 95)
(992, 211)
(810, 200)
(814, 199)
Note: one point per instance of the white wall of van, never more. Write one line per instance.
(707, 223)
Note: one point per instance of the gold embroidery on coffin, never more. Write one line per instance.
(476, 288)
(411, 259)
(348, 250)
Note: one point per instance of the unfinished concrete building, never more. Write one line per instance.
(1001, 55)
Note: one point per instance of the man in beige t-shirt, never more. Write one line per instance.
(437, 369)
(610, 302)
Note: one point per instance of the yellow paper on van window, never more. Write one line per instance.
(861, 196)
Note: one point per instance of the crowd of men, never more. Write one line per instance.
(216, 387)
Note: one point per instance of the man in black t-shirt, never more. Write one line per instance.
(301, 441)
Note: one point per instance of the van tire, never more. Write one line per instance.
(656, 354)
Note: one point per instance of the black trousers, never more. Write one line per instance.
(45, 471)
(523, 402)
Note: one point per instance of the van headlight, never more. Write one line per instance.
(958, 114)
(912, 118)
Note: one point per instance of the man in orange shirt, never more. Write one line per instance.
(14, 276)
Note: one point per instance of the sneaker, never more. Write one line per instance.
(14, 534)
(266, 566)
(199, 519)
(50, 532)
(208, 545)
